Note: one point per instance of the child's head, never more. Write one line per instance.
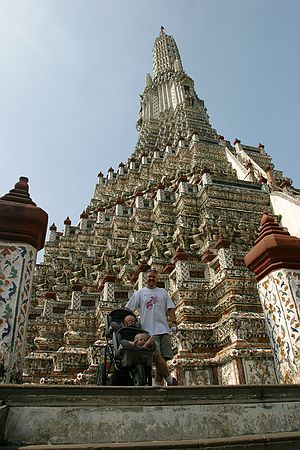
(140, 339)
(129, 321)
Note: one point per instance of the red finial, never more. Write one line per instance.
(67, 221)
(222, 242)
(273, 249)
(205, 170)
(180, 255)
(50, 294)
(20, 193)
(77, 286)
(84, 215)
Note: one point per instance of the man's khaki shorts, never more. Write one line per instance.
(164, 345)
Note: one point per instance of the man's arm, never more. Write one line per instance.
(171, 314)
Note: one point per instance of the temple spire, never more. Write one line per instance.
(165, 54)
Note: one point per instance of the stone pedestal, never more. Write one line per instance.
(22, 233)
(275, 260)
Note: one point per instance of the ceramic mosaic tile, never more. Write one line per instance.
(228, 375)
(259, 371)
(16, 272)
(279, 293)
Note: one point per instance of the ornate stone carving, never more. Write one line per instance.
(178, 205)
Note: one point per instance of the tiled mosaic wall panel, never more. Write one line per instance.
(16, 272)
(280, 297)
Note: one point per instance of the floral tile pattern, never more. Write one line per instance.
(259, 371)
(280, 297)
(16, 273)
(228, 373)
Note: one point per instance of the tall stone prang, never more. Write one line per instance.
(186, 202)
(22, 233)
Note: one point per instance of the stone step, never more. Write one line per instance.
(272, 441)
(87, 417)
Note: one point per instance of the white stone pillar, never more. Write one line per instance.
(22, 233)
(280, 298)
(110, 175)
(206, 177)
(169, 149)
(53, 233)
(67, 226)
(101, 180)
(101, 215)
(139, 200)
(108, 284)
(275, 260)
(181, 266)
(195, 137)
(83, 223)
(76, 296)
(224, 253)
(120, 207)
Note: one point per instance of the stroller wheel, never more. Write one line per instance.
(139, 377)
(101, 375)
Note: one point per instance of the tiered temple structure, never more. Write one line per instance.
(188, 203)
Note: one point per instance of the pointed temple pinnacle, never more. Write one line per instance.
(20, 193)
(166, 57)
(20, 219)
(268, 226)
(274, 249)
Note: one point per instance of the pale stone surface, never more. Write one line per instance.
(60, 415)
(288, 207)
(3, 417)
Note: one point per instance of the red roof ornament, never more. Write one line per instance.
(67, 221)
(84, 215)
(274, 249)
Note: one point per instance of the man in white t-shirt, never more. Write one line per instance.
(154, 305)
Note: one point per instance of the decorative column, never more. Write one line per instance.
(140, 274)
(109, 287)
(22, 233)
(224, 253)
(206, 176)
(67, 226)
(275, 260)
(180, 260)
(139, 200)
(83, 222)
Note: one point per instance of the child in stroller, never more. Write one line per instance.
(126, 361)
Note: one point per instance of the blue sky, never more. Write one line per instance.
(72, 72)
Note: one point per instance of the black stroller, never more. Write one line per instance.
(124, 364)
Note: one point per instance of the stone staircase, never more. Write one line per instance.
(208, 417)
